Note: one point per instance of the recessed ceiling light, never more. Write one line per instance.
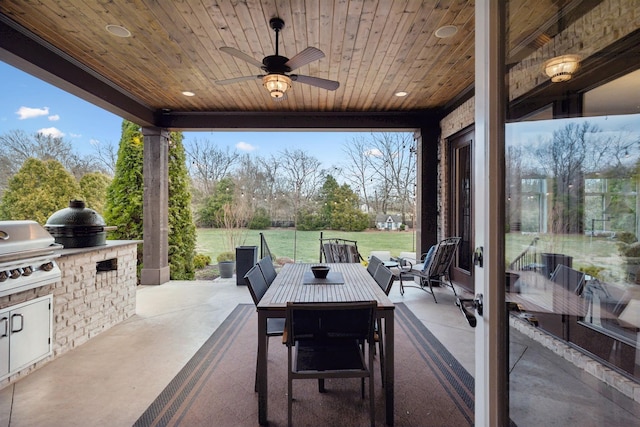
(401, 93)
(118, 30)
(446, 31)
(188, 93)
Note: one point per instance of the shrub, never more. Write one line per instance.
(200, 261)
(626, 237)
(592, 270)
(260, 220)
(226, 256)
(631, 251)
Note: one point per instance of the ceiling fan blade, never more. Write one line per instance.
(236, 80)
(316, 81)
(308, 55)
(241, 55)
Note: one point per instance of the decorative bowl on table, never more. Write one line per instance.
(320, 271)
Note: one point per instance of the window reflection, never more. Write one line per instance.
(572, 247)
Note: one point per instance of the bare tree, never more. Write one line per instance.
(276, 189)
(105, 154)
(303, 175)
(393, 167)
(573, 151)
(208, 164)
(358, 171)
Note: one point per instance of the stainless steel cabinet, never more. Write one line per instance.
(25, 334)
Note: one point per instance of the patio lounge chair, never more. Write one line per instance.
(435, 267)
(339, 250)
(327, 340)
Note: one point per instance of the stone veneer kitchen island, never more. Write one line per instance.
(97, 290)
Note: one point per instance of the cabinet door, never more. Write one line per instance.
(30, 333)
(4, 343)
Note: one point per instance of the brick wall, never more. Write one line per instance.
(85, 301)
(608, 22)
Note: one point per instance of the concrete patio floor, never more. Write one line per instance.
(112, 379)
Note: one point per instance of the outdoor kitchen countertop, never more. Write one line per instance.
(110, 244)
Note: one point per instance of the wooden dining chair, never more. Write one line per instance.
(257, 287)
(327, 340)
(268, 271)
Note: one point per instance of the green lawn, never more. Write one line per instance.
(304, 246)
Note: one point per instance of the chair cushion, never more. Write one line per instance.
(381, 255)
(427, 259)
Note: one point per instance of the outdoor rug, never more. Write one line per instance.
(216, 387)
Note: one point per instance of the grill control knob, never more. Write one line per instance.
(47, 267)
(27, 271)
(3, 276)
(15, 273)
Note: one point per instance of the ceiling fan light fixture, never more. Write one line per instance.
(561, 68)
(276, 84)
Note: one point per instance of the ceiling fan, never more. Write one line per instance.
(277, 80)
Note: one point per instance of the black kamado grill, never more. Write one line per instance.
(78, 226)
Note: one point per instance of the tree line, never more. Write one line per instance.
(210, 186)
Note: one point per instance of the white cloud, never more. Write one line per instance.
(54, 118)
(75, 135)
(29, 113)
(53, 132)
(374, 152)
(245, 146)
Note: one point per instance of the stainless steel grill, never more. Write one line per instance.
(27, 257)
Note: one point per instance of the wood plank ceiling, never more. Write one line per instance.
(373, 48)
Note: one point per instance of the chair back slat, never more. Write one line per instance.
(374, 262)
(256, 283)
(326, 321)
(443, 256)
(328, 252)
(384, 278)
(268, 271)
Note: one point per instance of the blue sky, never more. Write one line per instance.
(31, 105)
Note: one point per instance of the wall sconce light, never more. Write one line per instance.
(276, 84)
(561, 68)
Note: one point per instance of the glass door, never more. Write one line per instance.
(571, 223)
(461, 219)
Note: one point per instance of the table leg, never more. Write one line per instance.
(262, 367)
(389, 364)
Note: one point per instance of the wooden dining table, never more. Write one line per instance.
(353, 283)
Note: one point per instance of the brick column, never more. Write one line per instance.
(427, 188)
(155, 254)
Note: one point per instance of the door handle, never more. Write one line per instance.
(13, 321)
(477, 256)
(5, 320)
